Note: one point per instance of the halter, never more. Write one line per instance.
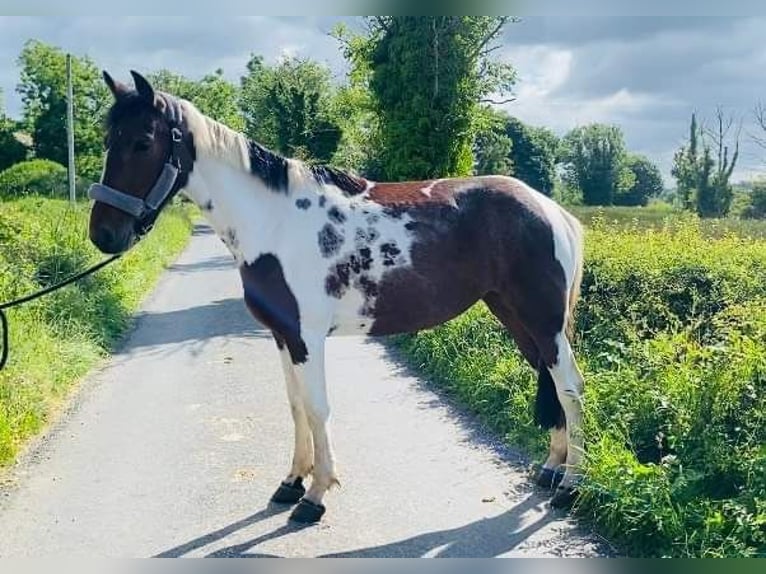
(146, 210)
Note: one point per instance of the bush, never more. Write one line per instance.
(671, 337)
(34, 177)
(757, 205)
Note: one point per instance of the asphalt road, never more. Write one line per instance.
(175, 445)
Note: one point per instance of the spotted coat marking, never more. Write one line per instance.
(330, 241)
(303, 203)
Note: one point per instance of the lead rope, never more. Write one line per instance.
(33, 296)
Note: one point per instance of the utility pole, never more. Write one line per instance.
(70, 126)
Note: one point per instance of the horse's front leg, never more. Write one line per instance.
(311, 378)
(292, 490)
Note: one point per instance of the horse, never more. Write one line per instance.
(324, 252)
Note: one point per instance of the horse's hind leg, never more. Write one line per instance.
(291, 490)
(550, 474)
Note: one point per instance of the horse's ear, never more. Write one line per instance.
(118, 89)
(143, 87)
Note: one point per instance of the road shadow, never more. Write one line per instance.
(485, 538)
(222, 318)
(218, 263)
(206, 539)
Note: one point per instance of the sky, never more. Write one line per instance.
(646, 74)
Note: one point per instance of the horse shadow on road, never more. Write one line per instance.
(484, 538)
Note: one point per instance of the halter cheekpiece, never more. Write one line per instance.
(146, 210)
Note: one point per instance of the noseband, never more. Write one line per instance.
(146, 210)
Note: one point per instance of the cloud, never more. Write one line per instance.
(645, 74)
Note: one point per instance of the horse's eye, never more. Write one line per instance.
(142, 146)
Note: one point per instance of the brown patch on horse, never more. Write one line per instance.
(272, 303)
(474, 237)
(408, 193)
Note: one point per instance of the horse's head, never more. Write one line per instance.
(147, 162)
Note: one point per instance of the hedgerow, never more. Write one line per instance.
(671, 337)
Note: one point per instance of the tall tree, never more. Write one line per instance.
(594, 158)
(492, 147)
(647, 182)
(686, 167)
(11, 149)
(704, 177)
(428, 77)
(213, 94)
(533, 154)
(289, 107)
(43, 91)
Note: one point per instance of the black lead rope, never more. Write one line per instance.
(33, 296)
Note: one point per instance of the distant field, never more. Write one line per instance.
(662, 217)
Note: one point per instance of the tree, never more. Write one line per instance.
(43, 91)
(492, 147)
(289, 107)
(686, 163)
(213, 95)
(533, 154)
(428, 77)
(594, 158)
(703, 178)
(11, 149)
(757, 207)
(647, 182)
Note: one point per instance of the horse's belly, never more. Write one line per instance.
(409, 302)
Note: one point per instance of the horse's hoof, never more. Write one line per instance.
(564, 497)
(307, 512)
(549, 478)
(289, 493)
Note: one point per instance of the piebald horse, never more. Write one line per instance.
(322, 252)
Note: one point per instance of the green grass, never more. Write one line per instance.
(662, 216)
(671, 336)
(57, 339)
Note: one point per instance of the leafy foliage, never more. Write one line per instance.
(427, 76)
(289, 107)
(757, 205)
(646, 184)
(703, 178)
(34, 177)
(594, 157)
(43, 90)
(11, 149)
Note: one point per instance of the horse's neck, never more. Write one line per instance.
(243, 211)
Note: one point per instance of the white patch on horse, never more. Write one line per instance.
(567, 235)
(429, 188)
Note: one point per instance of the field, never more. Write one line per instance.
(43, 241)
(671, 336)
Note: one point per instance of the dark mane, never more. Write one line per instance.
(349, 184)
(271, 168)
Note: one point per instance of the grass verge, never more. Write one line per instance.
(58, 338)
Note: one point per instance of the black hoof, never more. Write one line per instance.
(307, 512)
(564, 497)
(289, 493)
(549, 478)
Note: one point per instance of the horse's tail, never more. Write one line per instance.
(548, 410)
(578, 243)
